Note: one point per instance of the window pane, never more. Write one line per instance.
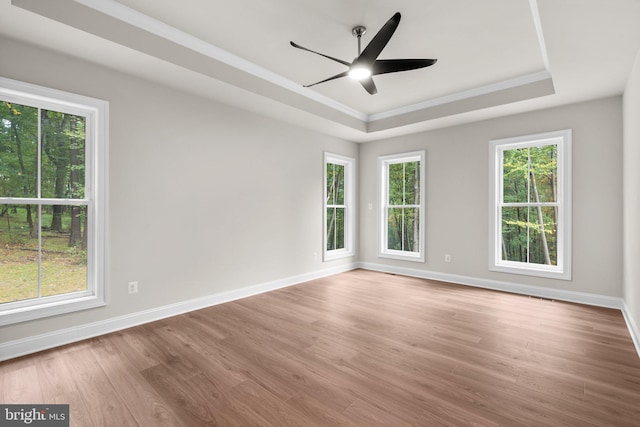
(63, 146)
(394, 229)
(18, 150)
(412, 183)
(523, 240)
(339, 184)
(339, 177)
(339, 228)
(514, 173)
(396, 178)
(544, 174)
(335, 184)
(331, 224)
(18, 252)
(331, 190)
(542, 247)
(514, 234)
(335, 228)
(64, 255)
(411, 230)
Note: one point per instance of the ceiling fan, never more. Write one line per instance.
(367, 64)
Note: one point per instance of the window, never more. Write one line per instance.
(53, 148)
(530, 218)
(402, 206)
(339, 206)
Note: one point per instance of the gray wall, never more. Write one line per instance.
(203, 198)
(632, 193)
(457, 195)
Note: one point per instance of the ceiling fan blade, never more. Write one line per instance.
(297, 46)
(369, 85)
(337, 76)
(383, 66)
(379, 41)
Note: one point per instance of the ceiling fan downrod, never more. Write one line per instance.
(359, 31)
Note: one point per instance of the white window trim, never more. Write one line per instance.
(496, 147)
(350, 210)
(383, 163)
(96, 112)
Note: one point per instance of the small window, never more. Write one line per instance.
(339, 206)
(402, 206)
(52, 201)
(530, 186)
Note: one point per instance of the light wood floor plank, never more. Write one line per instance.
(146, 406)
(22, 385)
(78, 412)
(105, 407)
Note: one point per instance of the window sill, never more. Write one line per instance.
(403, 256)
(532, 271)
(337, 254)
(32, 312)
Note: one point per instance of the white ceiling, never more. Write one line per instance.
(495, 57)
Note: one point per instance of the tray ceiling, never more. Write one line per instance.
(494, 57)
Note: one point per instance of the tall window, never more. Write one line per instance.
(52, 210)
(531, 205)
(402, 206)
(339, 209)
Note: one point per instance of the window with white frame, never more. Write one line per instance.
(53, 148)
(530, 203)
(401, 226)
(339, 206)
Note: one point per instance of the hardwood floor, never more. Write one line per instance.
(357, 349)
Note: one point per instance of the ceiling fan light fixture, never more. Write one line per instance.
(359, 73)
(367, 64)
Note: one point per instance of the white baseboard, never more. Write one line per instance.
(21, 347)
(550, 293)
(515, 288)
(632, 326)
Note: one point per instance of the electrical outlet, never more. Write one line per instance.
(133, 287)
(447, 258)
